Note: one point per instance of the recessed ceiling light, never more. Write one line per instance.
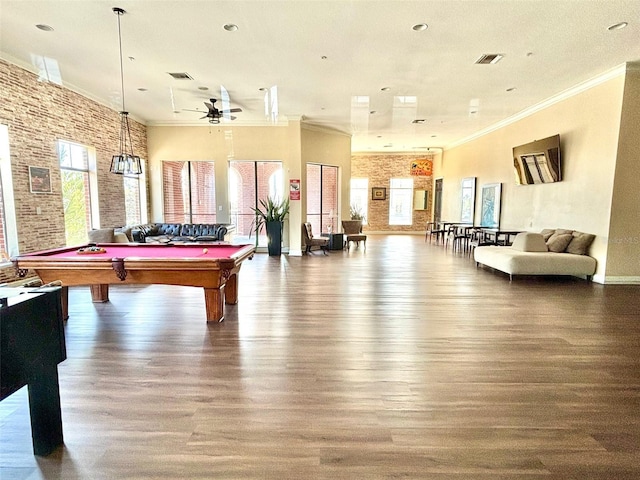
(372, 112)
(385, 89)
(44, 28)
(511, 89)
(419, 27)
(203, 88)
(419, 120)
(142, 89)
(230, 27)
(323, 57)
(262, 89)
(617, 26)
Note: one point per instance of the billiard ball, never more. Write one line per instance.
(205, 250)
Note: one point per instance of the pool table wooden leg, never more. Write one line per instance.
(214, 303)
(99, 293)
(231, 290)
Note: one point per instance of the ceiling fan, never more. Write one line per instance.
(214, 115)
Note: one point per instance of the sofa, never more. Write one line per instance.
(166, 232)
(551, 252)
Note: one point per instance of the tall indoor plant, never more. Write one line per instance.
(271, 214)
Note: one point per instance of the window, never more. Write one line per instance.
(400, 201)
(250, 182)
(79, 190)
(8, 235)
(322, 198)
(135, 198)
(360, 197)
(189, 191)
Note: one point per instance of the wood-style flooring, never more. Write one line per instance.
(403, 360)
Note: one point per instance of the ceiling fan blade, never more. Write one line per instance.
(232, 117)
(209, 105)
(204, 117)
(234, 110)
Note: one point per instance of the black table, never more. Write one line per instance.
(493, 236)
(31, 346)
(336, 240)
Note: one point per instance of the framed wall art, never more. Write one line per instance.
(40, 180)
(490, 216)
(378, 193)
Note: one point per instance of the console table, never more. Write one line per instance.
(31, 346)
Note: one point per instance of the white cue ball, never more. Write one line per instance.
(205, 250)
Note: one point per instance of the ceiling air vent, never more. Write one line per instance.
(489, 59)
(181, 76)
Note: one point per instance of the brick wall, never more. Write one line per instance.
(37, 115)
(379, 169)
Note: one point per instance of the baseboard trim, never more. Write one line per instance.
(621, 280)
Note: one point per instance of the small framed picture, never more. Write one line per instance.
(378, 193)
(40, 179)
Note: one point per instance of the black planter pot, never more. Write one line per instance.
(274, 235)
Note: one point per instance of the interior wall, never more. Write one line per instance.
(588, 124)
(219, 143)
(379, 168)
(294, 145)
(327, 148)
(623, 258)
(37, 115)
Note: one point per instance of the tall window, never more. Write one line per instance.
(79, 190)
(135, 198)
(359, 194)
(400, 201)
(189, 191)
(8, 236)
(250, 182)
(322, 198)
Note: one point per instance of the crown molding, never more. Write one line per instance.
(564, 95)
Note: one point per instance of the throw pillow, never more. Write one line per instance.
(547, 232)
(529, 242)
(101, 235)
(558, 242)
(580, 243)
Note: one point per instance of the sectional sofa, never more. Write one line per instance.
(551, 252)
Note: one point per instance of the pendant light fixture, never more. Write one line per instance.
(125, 162)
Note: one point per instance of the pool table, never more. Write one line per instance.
(214, 267)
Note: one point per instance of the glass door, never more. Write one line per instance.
(250, 182)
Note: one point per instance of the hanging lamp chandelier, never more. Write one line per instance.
(125, 162)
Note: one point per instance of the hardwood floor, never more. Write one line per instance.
(401, 361)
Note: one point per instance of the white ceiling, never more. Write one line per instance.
(323, 55)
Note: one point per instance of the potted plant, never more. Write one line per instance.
(355, 211)
(271, 215)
